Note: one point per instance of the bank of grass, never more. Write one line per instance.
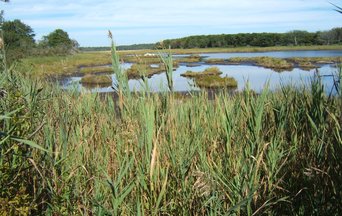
(62, 65)
(190, 59)
(220, 61)
(96, 80)
(211, 71)
(316, 60)
(215, 82)
(137, 70)
(276, 64)
(95, 69)
(209, 78)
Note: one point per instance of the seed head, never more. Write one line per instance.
(110, 34)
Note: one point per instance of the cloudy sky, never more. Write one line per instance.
(149, 21)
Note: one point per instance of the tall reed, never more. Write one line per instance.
(247, 154)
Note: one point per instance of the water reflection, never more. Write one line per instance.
(257, 77)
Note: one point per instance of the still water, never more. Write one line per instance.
(256, 77)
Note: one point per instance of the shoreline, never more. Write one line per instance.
(237, 49)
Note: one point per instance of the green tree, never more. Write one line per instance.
(18, 39)
(58, 38)
(58, 42)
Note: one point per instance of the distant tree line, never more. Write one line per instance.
(122, 47)
(19, 41)
(90, 49)
(137, 46)
(292, 38)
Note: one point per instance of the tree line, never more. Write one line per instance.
(292, 38)
(19, 41)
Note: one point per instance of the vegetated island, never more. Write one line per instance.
(96, 80)
(210, 78)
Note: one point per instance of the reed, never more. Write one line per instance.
(76, 153)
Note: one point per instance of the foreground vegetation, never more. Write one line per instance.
(71, 153)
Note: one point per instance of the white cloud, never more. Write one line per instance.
(178, 17)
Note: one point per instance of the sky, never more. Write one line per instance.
(150, 21)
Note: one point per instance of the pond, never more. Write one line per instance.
(256, 76)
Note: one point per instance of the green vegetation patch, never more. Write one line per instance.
(209, 78)
(62, 65)
(96, 79)
(307, 63)
(142, 59)
(98, 69)
(215, 81)
(136, 71)
(191, 59)
(216, 61)
(316, 60)
(277, 64)
(93, 154)
(212, 71)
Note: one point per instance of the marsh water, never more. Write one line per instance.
(256, 77)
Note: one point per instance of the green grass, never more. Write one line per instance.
(275, 153)
(209, 78)
(216, 61)
(75, 153)
(190, 59)
(97, 69)
(267, 62)
(62, 65)
(215, 81)
(96, 79)
(212, 71)
(316, 60)
(136, 71)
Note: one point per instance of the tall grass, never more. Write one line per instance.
(273, 153)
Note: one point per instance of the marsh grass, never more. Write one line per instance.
(135, 71)
(220, 61)
(276, 64)
(209, 78)
(247, 154)
(96, 79)
(211, 71)
(215, 81)
(95, 69)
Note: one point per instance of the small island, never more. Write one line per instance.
(96, 80)
(210, 78)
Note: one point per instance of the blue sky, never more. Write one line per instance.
(149, 21)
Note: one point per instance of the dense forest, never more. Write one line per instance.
(292, 38)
